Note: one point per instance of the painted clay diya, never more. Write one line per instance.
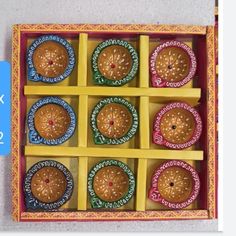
(177, 125)
(114, 63)
(47, 186)
(50, 59)
(175, 184)
(114, 121)
(172, 64)
(111, 184)
(51, 121)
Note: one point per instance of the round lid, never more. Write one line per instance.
(47, 185)
(114, 62)
(172, 64)
(175, 184)
(177, 125)
(111, 184)
(114, 121)
(51, 121)
(50, 59)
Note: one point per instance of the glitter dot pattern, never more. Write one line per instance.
(114, 120)
(51, 121)
(111, 183)
(50, 59)
(177, 125)
(175, 184)
(48, 184)
(114, 62)
(173, 64)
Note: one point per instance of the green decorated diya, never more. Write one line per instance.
(114, 63)
(111, 184)
(114, 120)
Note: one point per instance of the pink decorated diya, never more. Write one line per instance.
(175, 184)
(172, 64)
(177, 125)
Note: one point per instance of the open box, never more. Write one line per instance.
(79, 153)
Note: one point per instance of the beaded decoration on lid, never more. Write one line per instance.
(50, 59)
(47, 185)
(177, 125)
(114, 120)
(175, 184)
(51, 121)
(114, 63)
(172, 64)
(111, 184)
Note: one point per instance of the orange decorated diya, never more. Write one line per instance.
(47, 185)
(111, 184)
(177, 125)
(114, 120)
(172, 64)
(175, 184)
(114, 63)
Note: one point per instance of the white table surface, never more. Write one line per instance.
(199, 12)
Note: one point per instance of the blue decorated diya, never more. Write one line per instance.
(51, 121)
(47, 186)
(50, 59)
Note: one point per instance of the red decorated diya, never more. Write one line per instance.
(175, 184)
(172, 64)
(177, 125)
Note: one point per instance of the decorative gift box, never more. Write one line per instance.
(86, 150)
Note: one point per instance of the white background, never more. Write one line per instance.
(50, 11)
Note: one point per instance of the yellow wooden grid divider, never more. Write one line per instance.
(83, 122)
(59, 151)
(143, 123)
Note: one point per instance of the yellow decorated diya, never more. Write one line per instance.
(177, 125)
